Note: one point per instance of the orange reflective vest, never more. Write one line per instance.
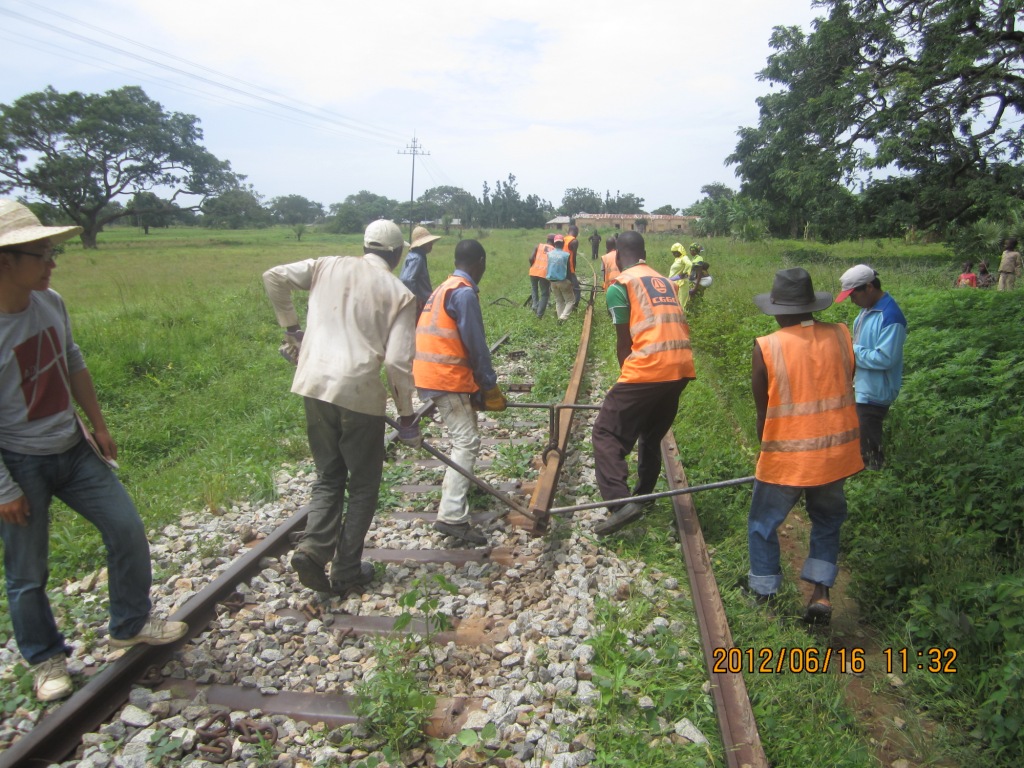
(811, 432)
(539, 268)
(571, 251)
(661, 338)
(611, 269)
(441, 361)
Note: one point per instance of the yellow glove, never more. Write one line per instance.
(494, 400)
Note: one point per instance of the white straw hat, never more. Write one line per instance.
(18, 225)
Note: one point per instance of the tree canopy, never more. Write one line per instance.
(883, 91)
(80, 151)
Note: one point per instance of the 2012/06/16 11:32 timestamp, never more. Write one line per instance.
(817, 660)
(935, 660)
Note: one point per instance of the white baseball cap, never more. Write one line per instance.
(383, 234)
(854, 278)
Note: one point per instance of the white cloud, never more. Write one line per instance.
(642, 97)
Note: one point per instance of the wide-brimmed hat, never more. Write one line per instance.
(420, 236)
(384, 235)
(18, 225)
(792, 294)
(854, 278)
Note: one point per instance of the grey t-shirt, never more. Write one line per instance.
(37, 357)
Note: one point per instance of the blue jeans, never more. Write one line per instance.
(540, 290)
(88, 486)
(769, 507)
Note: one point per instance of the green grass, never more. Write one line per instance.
(182, 343)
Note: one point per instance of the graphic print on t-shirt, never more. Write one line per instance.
(43, 374)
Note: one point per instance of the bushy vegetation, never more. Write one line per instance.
(182, 344)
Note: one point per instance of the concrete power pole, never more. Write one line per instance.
(415, 148)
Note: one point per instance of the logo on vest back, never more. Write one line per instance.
(659, 290)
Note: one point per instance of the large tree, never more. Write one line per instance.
(295, 209)
(931, 90)
(580, 200)
(81, 151)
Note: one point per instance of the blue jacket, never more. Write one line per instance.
(878, 336)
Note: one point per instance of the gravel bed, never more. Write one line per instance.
(534, 684)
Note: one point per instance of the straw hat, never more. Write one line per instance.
(18, 225)
(792, 294)
(420, 236)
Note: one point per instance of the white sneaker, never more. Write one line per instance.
(51, 680)
(153, 632)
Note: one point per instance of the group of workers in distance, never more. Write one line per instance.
(819, 394)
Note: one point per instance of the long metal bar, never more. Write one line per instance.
(732, 704)
(653, 496)
(478, 482)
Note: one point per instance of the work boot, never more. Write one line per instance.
(309, 573)
(153, 632)
(463, 531)
(342, 588)
(629, 513)
(51, 680)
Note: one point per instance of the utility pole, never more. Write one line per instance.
(415, 148)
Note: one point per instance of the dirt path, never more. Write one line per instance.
(900, 736)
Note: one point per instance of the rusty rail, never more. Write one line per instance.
(554, 455)
(732, 704)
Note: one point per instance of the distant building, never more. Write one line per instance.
(626, 222)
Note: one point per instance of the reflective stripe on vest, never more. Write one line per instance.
(441, 361)
(811, 432)
(661, 337)
(539, 268)
(611, 269)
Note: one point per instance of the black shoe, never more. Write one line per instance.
(463, 531)
(819, 612)
(366, 574)
(629, 513)
(310, 574)
(767, 601)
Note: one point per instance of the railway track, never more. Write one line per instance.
(501, 615)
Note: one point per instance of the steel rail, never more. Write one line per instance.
(732, 704)
(554, 456)
(58, 734)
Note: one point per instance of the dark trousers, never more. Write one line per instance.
(348, 450)
(632, 414)
(871, 418)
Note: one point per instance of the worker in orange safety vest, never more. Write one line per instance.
(540, 288)
(453, 368)
(802, 380)
(656, 361)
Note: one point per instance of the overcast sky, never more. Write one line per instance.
(318, 97)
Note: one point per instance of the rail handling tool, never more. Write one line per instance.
(481, 484)
(652, 496)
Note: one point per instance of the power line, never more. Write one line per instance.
(325, 116)
(414, 149)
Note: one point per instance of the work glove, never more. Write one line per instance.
(493, 399)
(409, 434)
(291, 345)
